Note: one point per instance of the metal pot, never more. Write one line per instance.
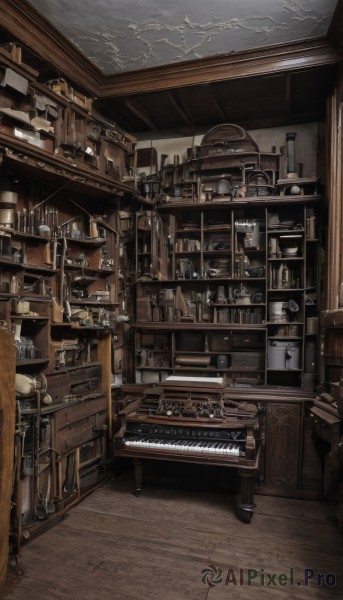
(241, 296)
(7, 216)
(8, 199)
(283, 355)
(278, 311)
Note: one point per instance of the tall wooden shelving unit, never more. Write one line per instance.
(64, 174)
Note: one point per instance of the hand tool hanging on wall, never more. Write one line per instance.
(93, 223)
(34, 208)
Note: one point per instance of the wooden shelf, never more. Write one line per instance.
(174, 326)
(32, 362)
(29, 318)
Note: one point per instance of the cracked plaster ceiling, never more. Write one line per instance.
(126, 35)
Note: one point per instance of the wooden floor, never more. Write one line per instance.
(114, 546)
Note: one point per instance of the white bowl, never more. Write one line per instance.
(289, 251)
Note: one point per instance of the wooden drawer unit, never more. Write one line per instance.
(77, 424)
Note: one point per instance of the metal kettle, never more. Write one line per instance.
(242, 296)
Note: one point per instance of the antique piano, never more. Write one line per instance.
(195, 423)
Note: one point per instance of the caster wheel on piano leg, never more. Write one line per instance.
(246, 514)
(137, 492)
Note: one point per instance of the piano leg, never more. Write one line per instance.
(247, 494)
(138, 464)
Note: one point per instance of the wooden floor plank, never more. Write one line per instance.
(216, 513)
(114, 545)
(108, 553)
(306, 510)
(289, 507)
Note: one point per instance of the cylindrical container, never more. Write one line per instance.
(170, 313)
(282, 330)
(311, 225)
(142, 355)
(222, 315)
(290, 140)
(312, 325)
(293, 329)
(278, 312)
(220, 299)
(273, 246)
(310, 356)
(22, 307)
(7, 217)
(283, 355)
(8, 198)
(197, 361)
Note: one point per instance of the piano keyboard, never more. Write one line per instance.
(219, 448)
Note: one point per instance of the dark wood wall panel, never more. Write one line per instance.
(282, 445)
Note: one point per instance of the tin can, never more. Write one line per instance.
(311, 225)
(312, 325)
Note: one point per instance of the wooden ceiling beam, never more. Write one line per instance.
(141, 114)
(249, 124)
(180, 109)
(219, 110)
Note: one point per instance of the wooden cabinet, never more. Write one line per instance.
(289, 463)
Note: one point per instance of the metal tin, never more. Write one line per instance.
(278, 312)
(283, 355)
(312, 325)
(7, 217)
(311, 225)
(8, 198)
